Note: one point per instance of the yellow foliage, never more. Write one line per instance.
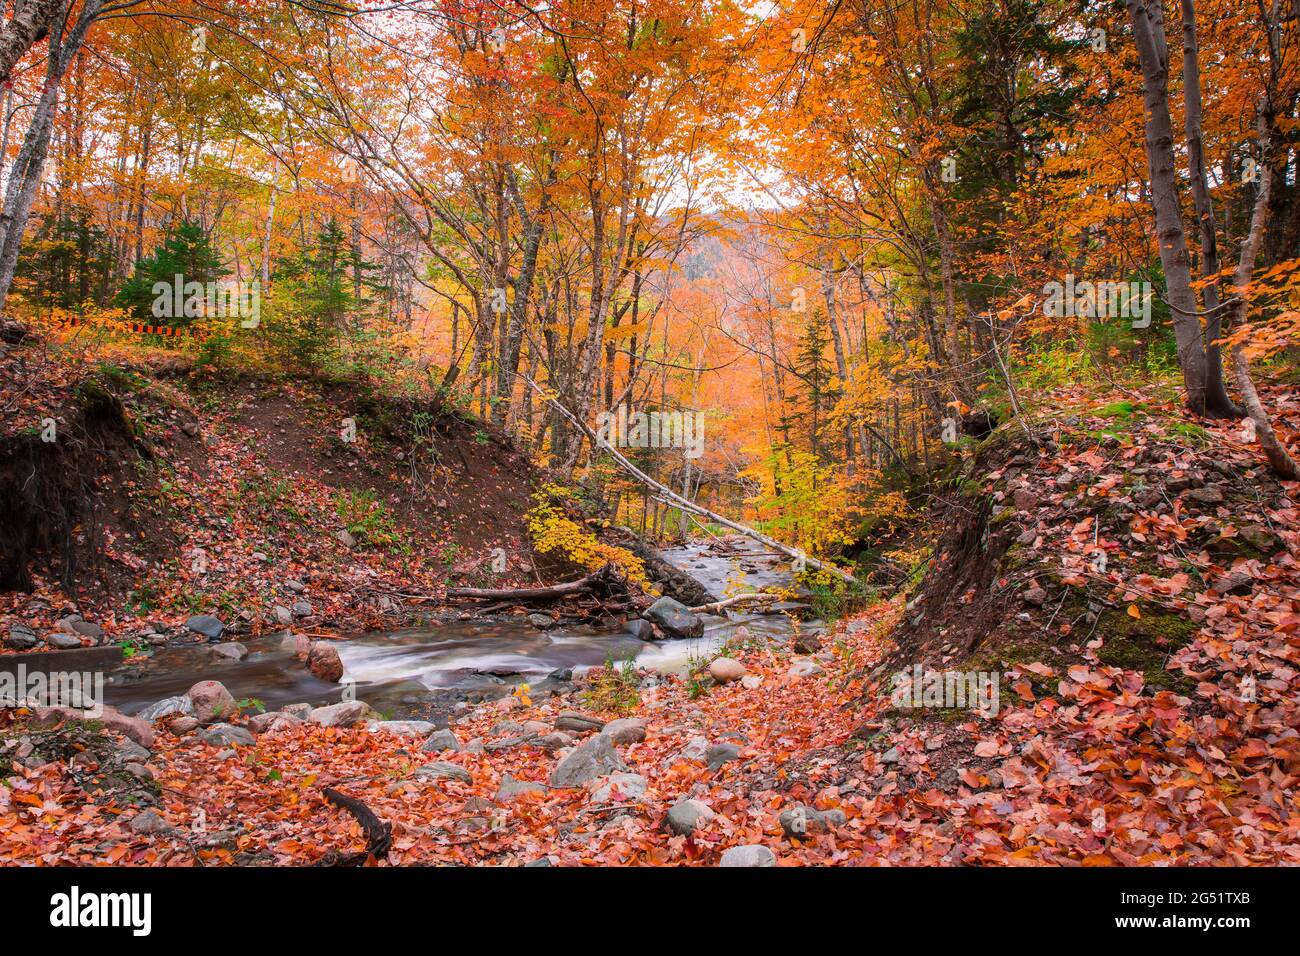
(554, 532)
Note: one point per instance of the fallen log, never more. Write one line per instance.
(604, 580)
(666, 495)
(756, 597)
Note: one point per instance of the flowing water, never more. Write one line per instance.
(408, 672)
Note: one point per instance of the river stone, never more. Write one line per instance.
(63, 642)
(753, 855)
(219, 735)
(207, 625)
(167, 707)
(587, 761)
(149, 822)
(574, 721)
(685, 816)
(798, 820)
(132, 752)
(403, 728)
(1209, 495)
(719, 754)
(301, 711)
(182, 725)
(233, 651)
(211, 701)
(556, 741)
(805, 667)
(86, 628)
(439, 741)
(21, 637)
(343, 714)
(283, 616)
(273, 721)
(303, 608)
(726, 669)
(640, 629)
(695, 749)
(442, 770)
(674, 618)
(625, 730)
(299, 645)
(541, 621)
(131, 727)
(807, 642)
(619, 788)
(324, 663)
(511, 789)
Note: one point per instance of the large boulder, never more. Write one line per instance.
(587, 761)
(211, 701)
(324, 663)
(674, 618)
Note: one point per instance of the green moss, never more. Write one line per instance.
(1145, 644)
(1122, 410)
(1196, 435)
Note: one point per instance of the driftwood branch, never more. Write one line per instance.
(379, 835)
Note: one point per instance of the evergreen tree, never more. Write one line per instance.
(66, 264)
(814, 372)
(186, 252)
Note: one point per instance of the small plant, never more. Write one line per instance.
(251, 703)
(614, 687)
(134, 647)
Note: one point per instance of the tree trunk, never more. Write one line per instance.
(1283, 464)
(32, 22)
(1217, 402)
(1148, 33)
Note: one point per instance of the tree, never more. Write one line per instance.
(185, 256)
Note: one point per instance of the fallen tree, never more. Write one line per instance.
(601, 593)
(756, 597)
(666, 495)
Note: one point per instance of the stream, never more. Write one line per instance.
(420, 672)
